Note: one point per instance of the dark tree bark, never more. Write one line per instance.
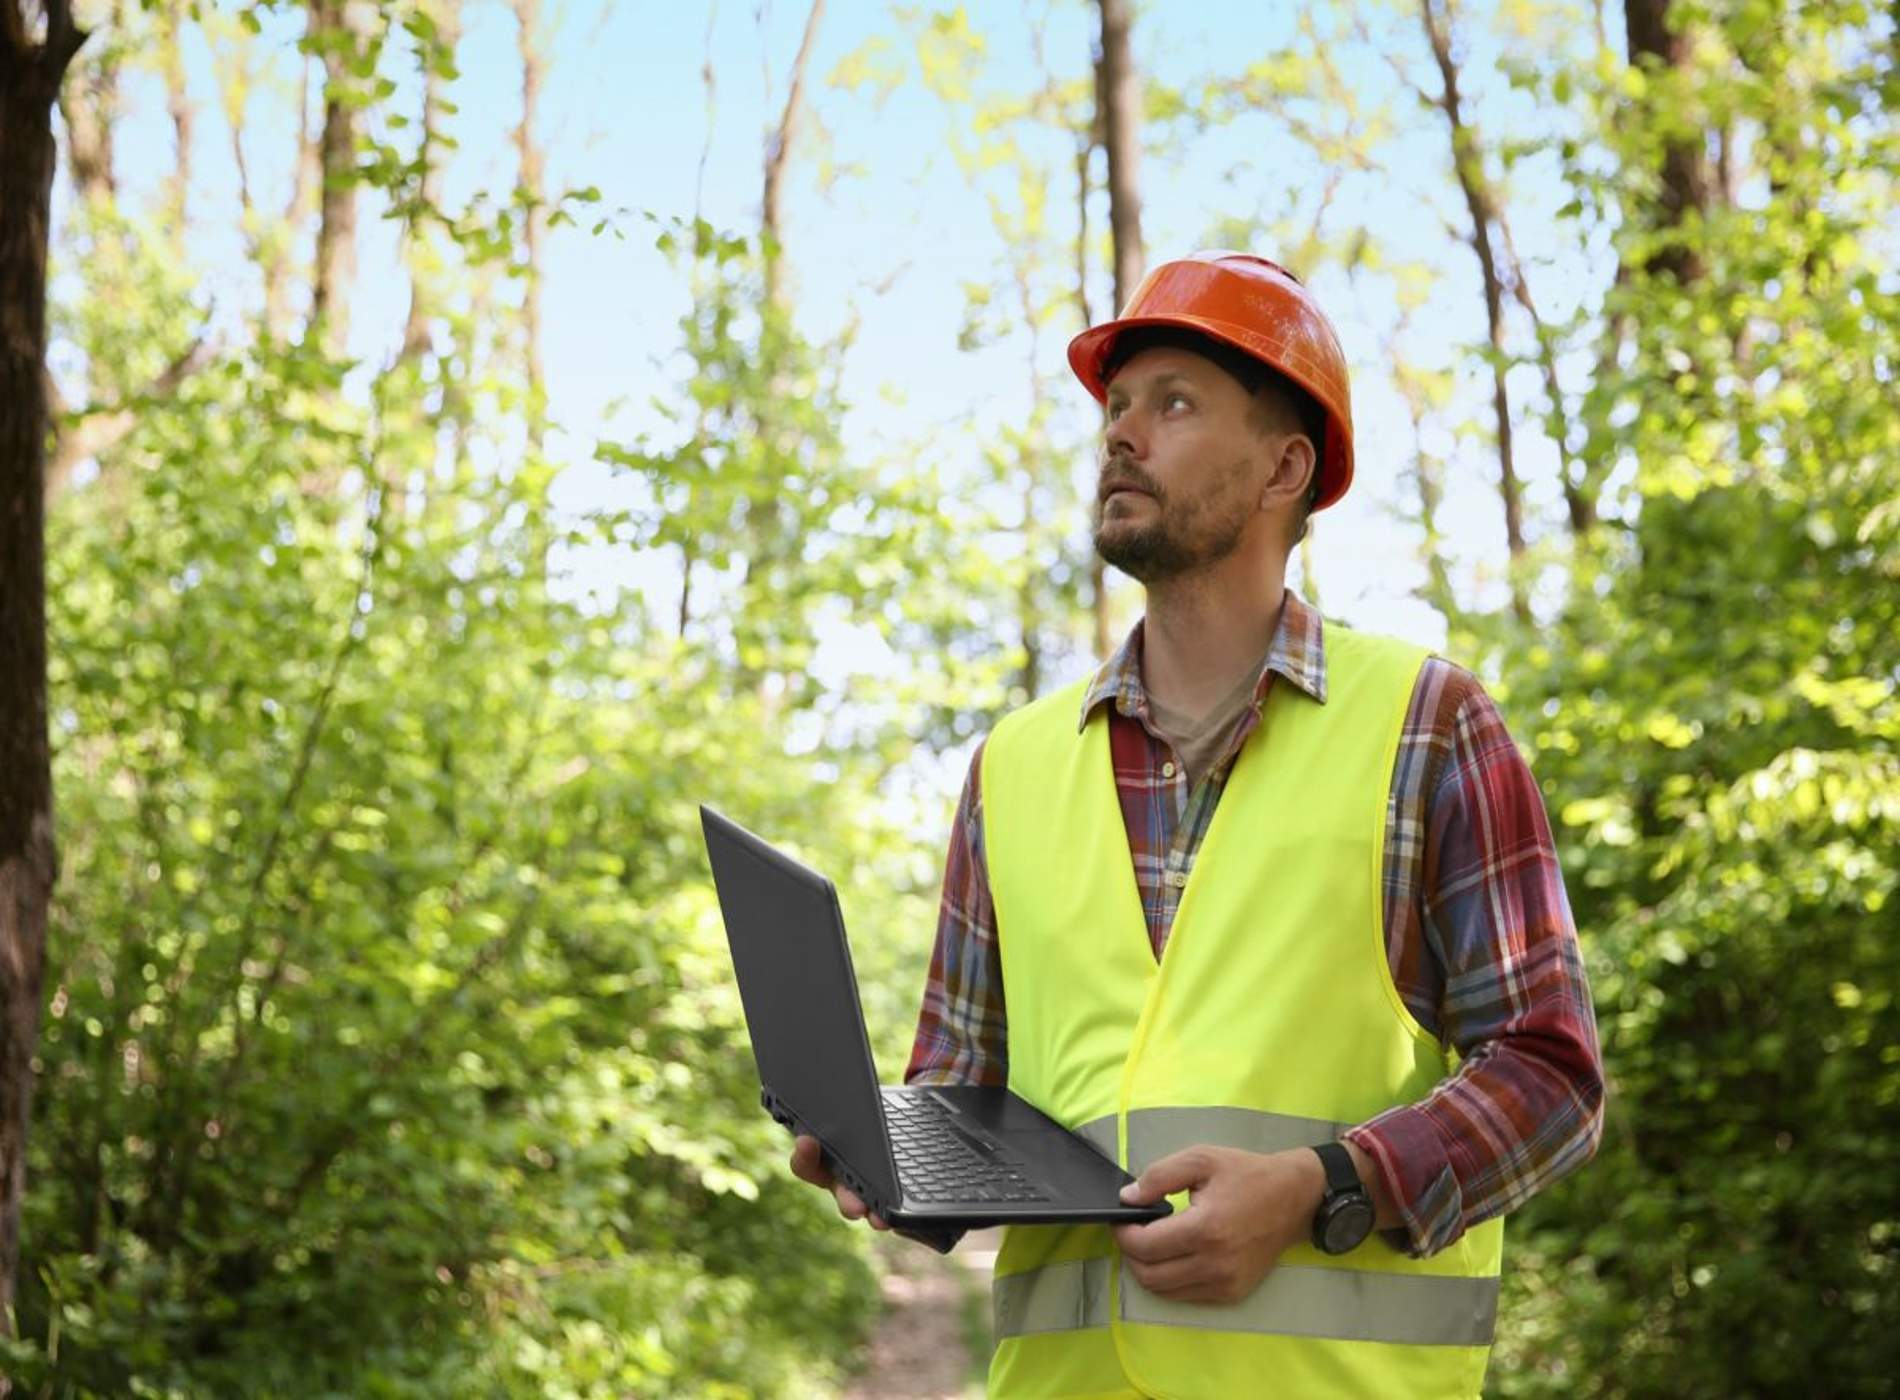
(33, 61)
(1118, 102)
(1468, 165)
(1120, 87)
(1688, 179)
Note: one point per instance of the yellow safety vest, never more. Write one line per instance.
(1270, 1022)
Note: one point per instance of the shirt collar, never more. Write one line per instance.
(1298, 653)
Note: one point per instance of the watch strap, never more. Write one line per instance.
(1341, 1176)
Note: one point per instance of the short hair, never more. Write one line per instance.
(1253, 375)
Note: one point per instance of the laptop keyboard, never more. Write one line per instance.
(937, 1163)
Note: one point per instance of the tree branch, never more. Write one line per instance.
(780, 147)
(101, 427)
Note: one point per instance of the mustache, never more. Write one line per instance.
(1122, 474)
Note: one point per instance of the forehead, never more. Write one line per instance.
(1162, 362)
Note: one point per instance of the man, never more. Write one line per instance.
(1272, 907)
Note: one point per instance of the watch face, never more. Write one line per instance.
(1347, 1225)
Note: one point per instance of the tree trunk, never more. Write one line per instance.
(709, 79)
(343, 24)
(1085, 145)
(178, 105)
(766, 530)
(1468, 165)
(776, 152)
(1428, 472)
(89, 105)
(1580, 488)
(531, 187)
(1086, 142)
(1688, 182)
(1120, 95)
(1118, 102)
(447, 17)
(307, 174)
(30, 76)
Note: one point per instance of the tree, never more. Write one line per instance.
(1481, 205)
(1715, 722)
(35, 51)
(340, 36)
(393, 1046)
(1118, 89)
(442, 23)
(531, 190)
(778, 150)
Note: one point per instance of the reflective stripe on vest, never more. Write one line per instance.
(1294, 1300)
(1057, 1298)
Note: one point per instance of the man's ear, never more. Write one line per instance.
(1291, 471)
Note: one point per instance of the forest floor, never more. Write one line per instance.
(932, 1342)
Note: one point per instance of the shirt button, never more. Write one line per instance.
(1177, 879)
(1167, 770)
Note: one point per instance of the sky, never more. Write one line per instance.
(884, 231)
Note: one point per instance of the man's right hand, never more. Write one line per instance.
(808, 1164)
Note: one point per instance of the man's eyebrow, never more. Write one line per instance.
(1167, 376)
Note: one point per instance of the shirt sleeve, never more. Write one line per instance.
(962, 1036)
(1525, 1105)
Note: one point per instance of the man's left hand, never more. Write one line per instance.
(1246, 1209)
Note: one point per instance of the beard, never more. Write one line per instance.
(1177, 537)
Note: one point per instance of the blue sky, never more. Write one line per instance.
(890, 243)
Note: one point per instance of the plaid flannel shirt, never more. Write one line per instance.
(1479, 936)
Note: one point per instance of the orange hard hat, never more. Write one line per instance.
(1260, 309)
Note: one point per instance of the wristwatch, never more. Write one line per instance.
(1344, 1217)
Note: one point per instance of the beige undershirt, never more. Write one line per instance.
(1199, 743)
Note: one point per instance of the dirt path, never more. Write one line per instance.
(921, 1350)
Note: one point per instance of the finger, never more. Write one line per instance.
(1179, 1171)
(852, 1207)
(1178, 1235)
(808, 1162)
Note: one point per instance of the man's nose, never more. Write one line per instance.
(1122, 435)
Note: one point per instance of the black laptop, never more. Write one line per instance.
(932, 1161)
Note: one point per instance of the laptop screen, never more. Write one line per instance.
(801, 996)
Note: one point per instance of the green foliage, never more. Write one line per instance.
(391, 1046)
(1716, 723)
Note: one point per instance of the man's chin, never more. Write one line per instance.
(1134, 552)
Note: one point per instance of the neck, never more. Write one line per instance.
(1203, 631)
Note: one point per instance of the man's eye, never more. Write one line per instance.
(1181, 399)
